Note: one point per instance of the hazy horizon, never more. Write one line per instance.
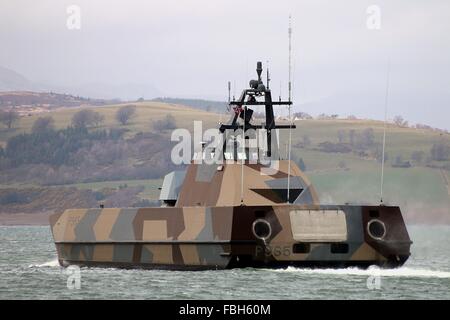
(192, 48)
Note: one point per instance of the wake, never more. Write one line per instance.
(374, 271)
(48, 264)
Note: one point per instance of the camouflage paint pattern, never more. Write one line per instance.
(220, 185)
(221, 237)
(237, 214)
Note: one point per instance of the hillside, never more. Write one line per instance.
(11, 80)
(146, 114)
(341, 158)
(207, 105)
(28, 102)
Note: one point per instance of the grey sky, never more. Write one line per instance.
(192, 48)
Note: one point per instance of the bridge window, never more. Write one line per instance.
(242, 156)
(229, 156)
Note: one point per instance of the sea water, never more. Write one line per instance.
(29, 270)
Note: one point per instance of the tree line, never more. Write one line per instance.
(363, 144)
(54, 147)
(82, 118)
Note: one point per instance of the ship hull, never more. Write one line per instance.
(200, 238)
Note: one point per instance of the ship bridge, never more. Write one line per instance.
(250, 170)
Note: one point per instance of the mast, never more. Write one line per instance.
(289, 107)
(256, 95)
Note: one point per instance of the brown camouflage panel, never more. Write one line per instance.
(210, 228)
(357, 248)
(220, 185)
(195, 238)
(236, 214)
(131, 237)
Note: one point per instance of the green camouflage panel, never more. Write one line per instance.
(226, 237)
(235, 214)
(220, 185)
(142, 237)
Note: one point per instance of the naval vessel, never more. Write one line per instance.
(253, 209)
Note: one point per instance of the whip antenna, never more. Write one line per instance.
(289, 107)
(243, 159)
(384, 129)
(290, 49)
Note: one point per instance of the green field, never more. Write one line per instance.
(151, 191)
(146, 114)
(399, 140)
(417, 187)
(401, 186)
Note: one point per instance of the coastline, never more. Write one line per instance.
(25, 219)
